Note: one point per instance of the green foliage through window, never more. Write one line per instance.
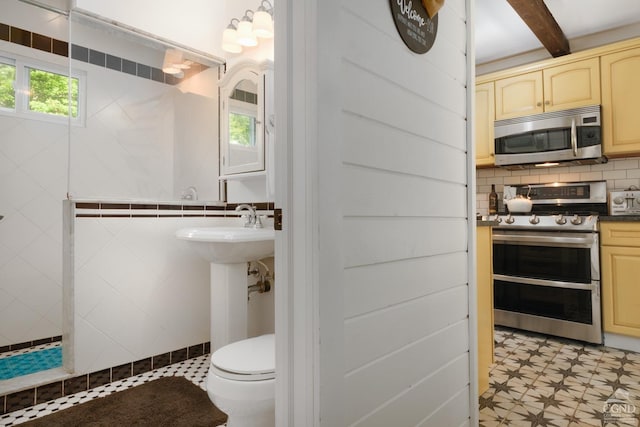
(49, 93)
(242, 129)
(7, 92)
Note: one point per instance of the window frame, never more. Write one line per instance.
(11, 62)
(21, 87)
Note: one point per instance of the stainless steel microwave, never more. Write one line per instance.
(548, 139)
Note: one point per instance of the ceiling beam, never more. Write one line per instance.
(538, 18)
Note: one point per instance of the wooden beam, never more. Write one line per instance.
(538, 18)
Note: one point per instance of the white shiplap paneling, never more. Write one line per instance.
(381, 193)
(376, 145)
(428, 397)
(371, 240)
(401, 325)
(399, 375)
(392, 283)
(404, 227)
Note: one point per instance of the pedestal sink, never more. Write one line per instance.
(228, 249)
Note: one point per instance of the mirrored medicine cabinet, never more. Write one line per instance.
(244, 110)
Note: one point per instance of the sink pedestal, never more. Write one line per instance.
(229, 295)
(228, 249)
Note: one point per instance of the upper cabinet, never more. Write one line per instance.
(519, 95)
(243, 110)
(484, 116)
(562, 87)
(621, 102)
(572, 85)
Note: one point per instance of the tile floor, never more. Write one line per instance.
(194, 370)
(535, 381)
(542, 381)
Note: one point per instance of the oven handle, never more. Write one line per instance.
(549, 283)
(545, 239)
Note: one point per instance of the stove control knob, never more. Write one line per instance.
(618, 200)
(561, 220)
(534, 219)
(510, 219)
(498, 219)
(576, 220)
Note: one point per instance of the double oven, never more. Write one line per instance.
(546, 263)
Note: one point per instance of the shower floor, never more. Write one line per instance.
(28, 361)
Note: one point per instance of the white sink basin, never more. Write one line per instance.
(230, 245)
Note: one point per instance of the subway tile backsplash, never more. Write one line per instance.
(619, 174)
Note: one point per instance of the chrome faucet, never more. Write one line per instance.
(253, 220)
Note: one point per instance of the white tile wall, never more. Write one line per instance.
(140, 141)
(32, 186)
(619, 174)
(138, 291)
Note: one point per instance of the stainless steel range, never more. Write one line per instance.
(546, 268)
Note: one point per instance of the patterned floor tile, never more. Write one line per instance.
(540, 381)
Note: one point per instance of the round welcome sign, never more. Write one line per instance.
(416, 29)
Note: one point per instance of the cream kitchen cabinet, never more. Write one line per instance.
(484, 117)
(621, 102)
(519, 95)
(485, 306)
(566, 86)
(620, 258)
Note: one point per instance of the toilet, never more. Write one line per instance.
(241, 381)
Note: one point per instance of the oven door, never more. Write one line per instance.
(548, 282)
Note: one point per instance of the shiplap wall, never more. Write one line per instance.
(404, 221)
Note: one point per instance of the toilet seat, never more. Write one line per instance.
(252, 359)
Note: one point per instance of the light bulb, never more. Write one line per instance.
(171, 57)
(230, 40)
(245, 33)
(262, 24)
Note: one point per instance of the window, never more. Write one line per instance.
(49, 93)
(242, 129)
(40, 91)
(7, 79)
(242, 122)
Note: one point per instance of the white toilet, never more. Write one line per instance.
(241, 381)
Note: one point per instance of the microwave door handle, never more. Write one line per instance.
(574, 138)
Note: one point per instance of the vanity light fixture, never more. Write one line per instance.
(245, 31)
(174, 63)
(171, 57)
(230, 38)
(263, 20)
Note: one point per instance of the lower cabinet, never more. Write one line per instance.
(485, 306)
(620, 257)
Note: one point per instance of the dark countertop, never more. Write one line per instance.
(620, 218)
(485, 223)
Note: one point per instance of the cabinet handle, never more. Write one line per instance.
(547, 102)
(539, 104)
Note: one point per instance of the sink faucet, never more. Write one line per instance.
(253, 220)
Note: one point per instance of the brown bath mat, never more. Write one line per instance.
(168, 401)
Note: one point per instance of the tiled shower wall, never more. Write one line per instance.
(136, 290)
(142, 139)
(619, 174)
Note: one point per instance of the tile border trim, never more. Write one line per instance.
(96, 209)
(27, 344)
(48, 44)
